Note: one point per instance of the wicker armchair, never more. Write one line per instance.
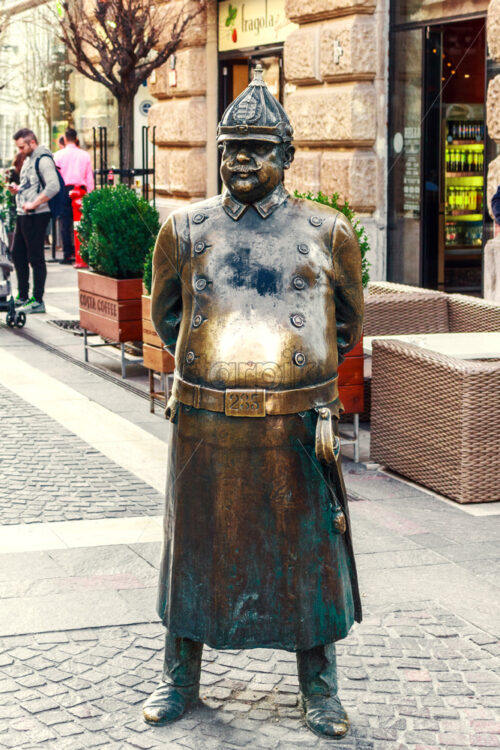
(391, 309)
(387, 314)
(472, 314)
(436, 420)
(400, 308)
(390, 287)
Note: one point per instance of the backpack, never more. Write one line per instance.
(60, 200)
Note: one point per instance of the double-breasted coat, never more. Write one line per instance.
(262, 296)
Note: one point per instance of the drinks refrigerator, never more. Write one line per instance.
(461, 261)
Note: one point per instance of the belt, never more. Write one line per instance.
(254, 402)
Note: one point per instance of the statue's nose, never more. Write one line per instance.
(242, 157)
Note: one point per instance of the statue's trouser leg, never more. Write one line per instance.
(182, 665)
(180, 685)
(317, 669)
(324, 713)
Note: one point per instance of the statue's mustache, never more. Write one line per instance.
(245, 168)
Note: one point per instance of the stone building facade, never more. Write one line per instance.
(492, 248)
(336, 89)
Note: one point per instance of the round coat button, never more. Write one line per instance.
(197, 321)
(299, 359)
(303, 249)
(297, 321)
(316, 221)
(299, 282)
(199, 246)
(199, 218)
(200, 284)
(190, 358)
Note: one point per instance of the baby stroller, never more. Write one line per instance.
(7, 304)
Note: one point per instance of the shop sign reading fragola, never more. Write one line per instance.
(251, 23)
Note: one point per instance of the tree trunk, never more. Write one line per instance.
(126, 120)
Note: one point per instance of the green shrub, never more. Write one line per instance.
(147, 277)
(116, 231)
(356, 225)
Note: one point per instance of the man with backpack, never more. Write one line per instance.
(39, 183)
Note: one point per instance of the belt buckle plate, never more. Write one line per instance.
(245, 402)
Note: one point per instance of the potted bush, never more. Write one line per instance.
(351, 386)
(155, 357)
(117, 230)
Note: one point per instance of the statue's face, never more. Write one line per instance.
(252, 169)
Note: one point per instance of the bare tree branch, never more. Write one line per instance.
(118, 43)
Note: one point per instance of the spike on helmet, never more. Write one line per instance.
(255, 114)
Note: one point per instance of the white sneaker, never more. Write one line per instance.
(32, 307)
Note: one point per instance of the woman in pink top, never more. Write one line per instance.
(76, 170)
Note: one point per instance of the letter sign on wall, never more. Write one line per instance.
(251, 23)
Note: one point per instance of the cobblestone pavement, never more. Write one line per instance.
(414, 675)
(72, 481)
(414, 679)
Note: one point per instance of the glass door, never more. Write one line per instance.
(436, 226)
(432, 199)
(405, 157)
(463, 144)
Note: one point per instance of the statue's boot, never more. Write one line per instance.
(323, 711)
(180, 685)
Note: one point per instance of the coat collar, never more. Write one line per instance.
(264, 207)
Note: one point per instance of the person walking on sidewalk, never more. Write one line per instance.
(38, 183)
(76, 170)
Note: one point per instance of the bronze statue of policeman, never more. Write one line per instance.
(259, 296)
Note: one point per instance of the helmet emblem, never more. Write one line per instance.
(247, 110)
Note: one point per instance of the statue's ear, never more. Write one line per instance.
(289, 154)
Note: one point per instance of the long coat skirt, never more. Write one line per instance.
(251, 557)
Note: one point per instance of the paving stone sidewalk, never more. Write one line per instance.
(413, 675)
(72, 480)
(414, 679)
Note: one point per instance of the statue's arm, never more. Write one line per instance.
(166, 292)
(348, 288)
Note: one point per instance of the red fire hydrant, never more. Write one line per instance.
(76, 196)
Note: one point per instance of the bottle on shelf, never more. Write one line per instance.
(465, 199)
(465, 130)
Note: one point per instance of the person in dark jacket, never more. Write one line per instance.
(495, 205)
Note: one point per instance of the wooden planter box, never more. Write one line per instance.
(154, 355)
(351, 389)
(110, 307)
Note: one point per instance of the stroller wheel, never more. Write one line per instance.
(20, 319)
(11, 319)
